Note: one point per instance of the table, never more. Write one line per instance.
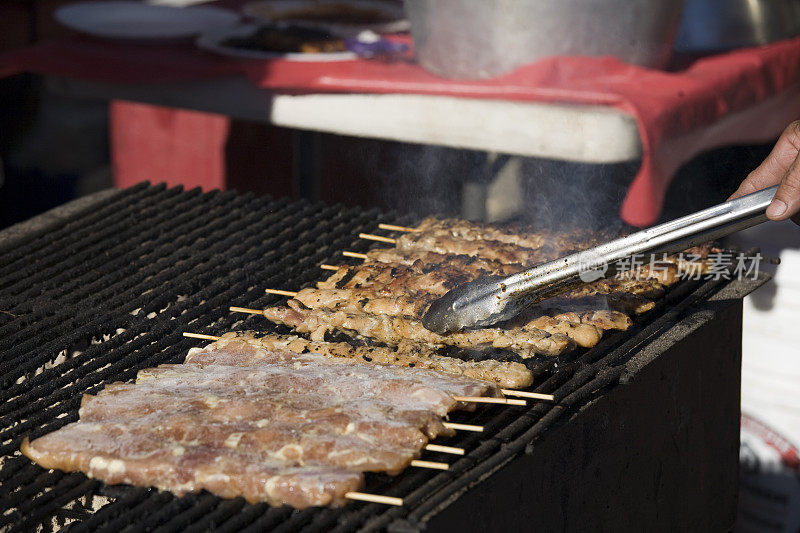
(568, 132)
(571, 132)
(580, 109)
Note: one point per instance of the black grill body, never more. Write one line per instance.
(644, 431)
(658, 452)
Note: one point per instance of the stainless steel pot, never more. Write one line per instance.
(715, 25)
(484, 38)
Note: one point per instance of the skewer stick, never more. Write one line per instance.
(486, 399)
(392, 227)
(444, 449)
(280, 292)
(329, 267)
(434, 465)
(246, 310)
(374, 498)
(379, 238)
(354, 254)
(463, 427)
(200, 336)
(534, 395)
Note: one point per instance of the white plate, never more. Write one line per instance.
(276, 10)
(212, 41)
(129, 20)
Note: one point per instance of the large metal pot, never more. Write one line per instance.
(715, 25)
(484, 38)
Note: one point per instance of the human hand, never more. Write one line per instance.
(782, 166)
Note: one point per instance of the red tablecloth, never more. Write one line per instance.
(665, 104)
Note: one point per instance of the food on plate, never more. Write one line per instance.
(288, 39)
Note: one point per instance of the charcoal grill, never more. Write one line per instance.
(644, 432)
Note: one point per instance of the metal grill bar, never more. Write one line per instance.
(110, 291)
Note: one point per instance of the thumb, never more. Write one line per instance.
(786, 202)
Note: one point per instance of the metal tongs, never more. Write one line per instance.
(490, 300)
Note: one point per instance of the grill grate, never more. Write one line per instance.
(110, 291)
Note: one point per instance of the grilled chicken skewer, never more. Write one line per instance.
(505, 374)
(490, 300)
(471, 231)
(397, 331)
(405, 290)
(364, 301)
(443, 242)
(666, 270)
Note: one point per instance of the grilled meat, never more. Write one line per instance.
(116, 455)
(273, 426)
(425, 261)
(249, 349)
(471, 231)
(397, 330)
(443, 242)
(360, 301)
(401, 283)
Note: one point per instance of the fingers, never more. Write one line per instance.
(777, 164)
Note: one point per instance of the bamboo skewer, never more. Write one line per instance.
(329, 267)
(533, 395)
(200, 336)
(444, 449)
(488, 399)
(374, 498)
(280, 292)
(354, 254)
(392, 227)
(463, 427)
(379, 238)
(433, 465)
(235, 309)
